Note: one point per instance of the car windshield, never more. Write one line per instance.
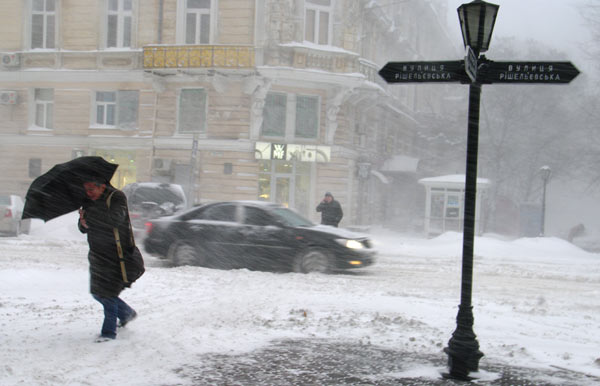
(157, 194)
(290, 218)
(4, 200)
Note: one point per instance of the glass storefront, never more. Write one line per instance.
(286, 183)
(127, 170)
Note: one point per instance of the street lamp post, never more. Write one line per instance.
(545, 171)
(477, 21)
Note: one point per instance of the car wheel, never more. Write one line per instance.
(185, 254)
(313, 260)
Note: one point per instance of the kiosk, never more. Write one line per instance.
(444, 205)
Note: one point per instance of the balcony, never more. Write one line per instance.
(201, 56)
(324, 58)
(371, 72)
(292, 55)
(312, 56)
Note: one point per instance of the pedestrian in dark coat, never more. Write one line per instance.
(331, 211)
(98, 220)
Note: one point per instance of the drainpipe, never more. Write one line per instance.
(161, 5)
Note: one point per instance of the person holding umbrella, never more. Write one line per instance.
(104, 215)
(115, 262)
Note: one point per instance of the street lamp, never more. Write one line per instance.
(477, 21)
(545, 172)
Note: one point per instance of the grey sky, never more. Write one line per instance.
(557, 23)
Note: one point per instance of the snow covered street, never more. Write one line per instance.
(536, 304)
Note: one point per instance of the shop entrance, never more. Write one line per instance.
(286, 183)
(126, 172)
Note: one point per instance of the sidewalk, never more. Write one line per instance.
(318, 362)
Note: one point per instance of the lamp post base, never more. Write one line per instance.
(463, 348)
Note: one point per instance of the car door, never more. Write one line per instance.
(265, 240)
(216, 231)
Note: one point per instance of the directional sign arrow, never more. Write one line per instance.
(526, 72)
(411, 72)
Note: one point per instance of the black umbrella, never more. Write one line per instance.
(60, 190)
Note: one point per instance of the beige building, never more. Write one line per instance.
(276, 100)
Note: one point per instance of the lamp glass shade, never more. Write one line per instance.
(545, 171)
(477, 20)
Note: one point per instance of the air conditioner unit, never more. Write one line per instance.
(9, 59)
(8, 97)
(161, 164)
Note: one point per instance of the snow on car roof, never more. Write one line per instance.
(247, 202)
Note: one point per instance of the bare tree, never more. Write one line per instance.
(590, 13)
(524, 127)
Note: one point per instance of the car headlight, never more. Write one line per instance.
(349, 243)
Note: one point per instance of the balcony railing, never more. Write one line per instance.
(201, 56)
(243, 57)
(371, 72)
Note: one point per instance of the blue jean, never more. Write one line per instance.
(114, 308)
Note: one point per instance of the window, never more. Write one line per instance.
(307, 110)
(192, 111)
(44, 107)
(119, 23)
(159, 194)
(106, 104)
(43, 23)
(317, 21)
(197, 21)
(446, 210)
(117, 109)
(274, 115)
(256, 216)
(35, 167)
(291, 116)
(220, 213)
(452, 205)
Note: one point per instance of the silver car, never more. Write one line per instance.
(11, 210)
(150, 200)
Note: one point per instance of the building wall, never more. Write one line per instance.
(79, 27)
(355, 121)
(11, 25)
(236, 21)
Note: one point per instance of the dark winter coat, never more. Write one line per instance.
(105, 271)
(331, 212)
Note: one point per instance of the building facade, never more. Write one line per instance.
(276, 100)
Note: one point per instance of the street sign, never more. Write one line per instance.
(471, 64)
(482, 70)
(526, 72)
(410, 72)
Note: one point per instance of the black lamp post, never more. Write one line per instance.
(477, 23)
(545, 171)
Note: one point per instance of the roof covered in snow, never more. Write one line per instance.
(452, 180)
